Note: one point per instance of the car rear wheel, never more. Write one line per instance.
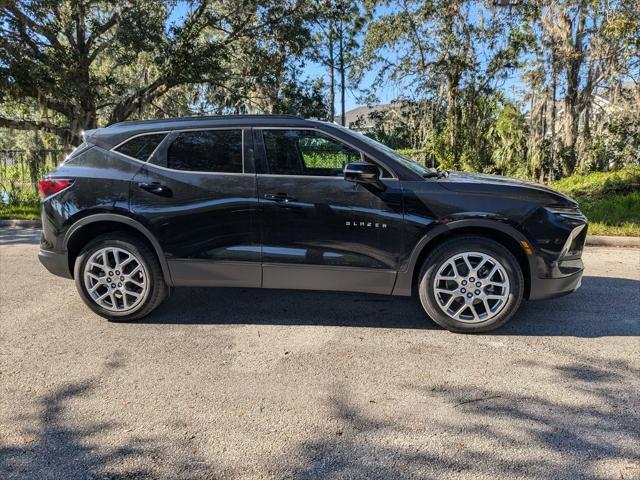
(119, 277)
(471, 284)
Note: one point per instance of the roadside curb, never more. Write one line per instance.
(592, 240)
(606, 241)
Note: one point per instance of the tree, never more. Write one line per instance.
(271, 65)
(324, 39)
(509, 142)
(80, 61)
(443, 51)
(338, 23)
(592, 43)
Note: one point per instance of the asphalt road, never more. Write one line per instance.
(271, 384)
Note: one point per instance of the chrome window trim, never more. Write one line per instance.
(198, 172)
(314, 176)
(168, 132)
(316, 129)
(243, 129)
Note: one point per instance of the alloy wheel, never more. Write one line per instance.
(471, 287)
(116, 279)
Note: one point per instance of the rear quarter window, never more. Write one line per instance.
(76, 152)
(141, 147)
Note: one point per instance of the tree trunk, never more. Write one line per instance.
(571, 119)
(332, 76)
(86, 116)
(554, 116)
(342, 85)
(543, 135)
(452, 115)
(572, 98)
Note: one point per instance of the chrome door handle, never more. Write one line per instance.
(156, 188)
(279, 197)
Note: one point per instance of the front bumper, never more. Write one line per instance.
(543, 288)
(557, 266)
(55, 262)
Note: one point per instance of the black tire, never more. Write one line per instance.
(441, 254)
(157, 288)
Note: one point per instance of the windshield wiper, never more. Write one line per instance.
(436, 174)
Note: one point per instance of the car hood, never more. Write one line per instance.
(457, 180)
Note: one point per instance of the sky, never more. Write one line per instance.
(511, 86)
(314, 70)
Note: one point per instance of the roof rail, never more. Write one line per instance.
(205, 117)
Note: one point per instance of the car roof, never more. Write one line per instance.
(118, 132)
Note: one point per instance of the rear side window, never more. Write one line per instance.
(207, 151)
(141, 147)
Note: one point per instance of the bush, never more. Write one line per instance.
(601, 184)
(610, 200)
(419, 156)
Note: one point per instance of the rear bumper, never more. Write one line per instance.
(55, 262)
(543, 288)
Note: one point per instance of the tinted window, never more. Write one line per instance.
(141, 147)
(305, 152)
(411, 164)
(207, 151)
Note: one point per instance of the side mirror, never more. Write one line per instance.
(362, 173)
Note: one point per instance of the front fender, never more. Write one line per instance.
(404, 281)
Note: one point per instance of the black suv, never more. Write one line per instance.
(284, 202)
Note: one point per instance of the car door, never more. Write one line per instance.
(319, 231)
(197, 194)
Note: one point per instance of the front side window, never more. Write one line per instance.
(306, 152)
(395, 156)
(141, 147)
(207, 151)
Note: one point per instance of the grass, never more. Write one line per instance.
(617, 215)
(600, 185)
(19, 212)
(610, 200)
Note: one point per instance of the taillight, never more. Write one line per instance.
(49, 186)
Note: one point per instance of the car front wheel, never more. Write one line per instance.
(119, 277)
(470, 284)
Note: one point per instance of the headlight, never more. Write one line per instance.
(572, 213)
(574, 219)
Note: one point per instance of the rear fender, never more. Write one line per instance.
(124, 220)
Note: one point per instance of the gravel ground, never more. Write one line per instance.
(270, 384)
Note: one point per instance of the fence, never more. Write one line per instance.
(20, 171)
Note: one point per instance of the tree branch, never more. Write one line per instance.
(34, 26)
(33, 125)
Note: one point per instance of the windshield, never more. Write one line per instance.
(390, 152)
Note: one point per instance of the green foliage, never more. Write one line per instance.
(610, 200)
(79, 64)
(328, 160)
(306, 99)
(600, 185)
(19, 172)
(613, 215)
(420, 156)
(76, 64)
(439, 148)
(615, 144)
(508, 137)
(29, 211)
